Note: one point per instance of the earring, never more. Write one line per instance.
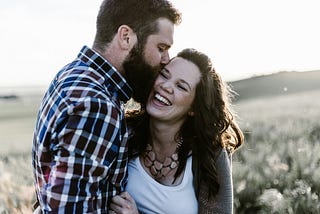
(191, 113)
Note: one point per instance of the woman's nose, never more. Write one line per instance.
(167, 86)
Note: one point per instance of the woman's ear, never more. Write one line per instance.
(127, 38)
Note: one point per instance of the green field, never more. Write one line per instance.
(17, 120)
(275, 171)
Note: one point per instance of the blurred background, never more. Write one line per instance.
(267, 51)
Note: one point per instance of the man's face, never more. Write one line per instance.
(158, 44)
(139, 74)
(143, 64)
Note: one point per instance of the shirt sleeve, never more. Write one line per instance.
(86, 144)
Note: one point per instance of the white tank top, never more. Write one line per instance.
(153, 197)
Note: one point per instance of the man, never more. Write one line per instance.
(80, 141)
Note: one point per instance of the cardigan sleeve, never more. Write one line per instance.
(222, 203)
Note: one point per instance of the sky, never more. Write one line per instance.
(243, 38)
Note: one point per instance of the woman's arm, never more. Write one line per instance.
(223, 201)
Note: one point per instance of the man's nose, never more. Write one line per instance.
(165, 58)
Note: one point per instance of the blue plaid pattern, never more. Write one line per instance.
(79, 152)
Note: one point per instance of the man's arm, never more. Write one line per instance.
(86, 145)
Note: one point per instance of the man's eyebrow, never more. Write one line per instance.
(167, 46)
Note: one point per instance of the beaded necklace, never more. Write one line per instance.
(159, 169)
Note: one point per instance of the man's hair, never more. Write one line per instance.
(140, 15)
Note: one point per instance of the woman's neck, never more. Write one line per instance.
(160, 160)
(163, 136)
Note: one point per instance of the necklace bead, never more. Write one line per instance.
(157, 168)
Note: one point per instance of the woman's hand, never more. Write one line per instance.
(123, 204)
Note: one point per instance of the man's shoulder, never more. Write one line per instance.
(79, 71)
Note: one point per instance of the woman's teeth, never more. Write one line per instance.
(162, 99)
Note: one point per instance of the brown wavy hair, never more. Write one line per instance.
(211, 128)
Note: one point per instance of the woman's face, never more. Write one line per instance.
(174, 91)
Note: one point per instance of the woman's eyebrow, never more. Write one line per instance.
(181, 80)
(185, 82)
(166, 69)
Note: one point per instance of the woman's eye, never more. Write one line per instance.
(182, 87)
(164, 75)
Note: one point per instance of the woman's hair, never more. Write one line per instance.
(141, 16)
(212, 118)
(203, 132)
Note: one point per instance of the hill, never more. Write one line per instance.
(276, 84)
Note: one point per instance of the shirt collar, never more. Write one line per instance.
(114, 81)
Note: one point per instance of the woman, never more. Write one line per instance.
(186, 154)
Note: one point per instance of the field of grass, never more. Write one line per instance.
(17, 120)
(276, 170)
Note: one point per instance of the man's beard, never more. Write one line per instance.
(140, 75)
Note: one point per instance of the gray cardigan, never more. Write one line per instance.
(222, 203)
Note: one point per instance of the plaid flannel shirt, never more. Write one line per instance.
(79, 152)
